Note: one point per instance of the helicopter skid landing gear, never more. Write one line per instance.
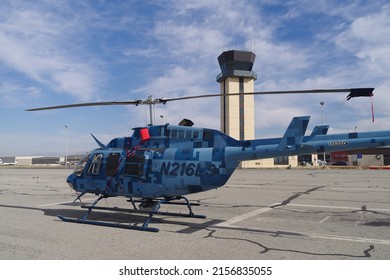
(154, 204)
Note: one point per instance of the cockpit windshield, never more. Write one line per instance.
(78, 170)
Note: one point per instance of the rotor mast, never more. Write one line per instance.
(151, 102)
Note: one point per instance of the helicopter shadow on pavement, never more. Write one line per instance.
(118, 217)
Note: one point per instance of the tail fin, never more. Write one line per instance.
(293, 136)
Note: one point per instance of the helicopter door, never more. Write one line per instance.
(112, 164)
(112, 169)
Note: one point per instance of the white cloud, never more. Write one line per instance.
(144, 53)
(76, 83)
(14, 94)
(38, 44)
(368, 38)
(176, 80)
(188, 39)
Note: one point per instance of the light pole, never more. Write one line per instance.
(322, 103)
(66, 148)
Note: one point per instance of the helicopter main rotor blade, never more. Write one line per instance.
(150, 101)
(350, 90)
(129, 102)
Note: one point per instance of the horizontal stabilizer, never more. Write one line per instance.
(293, 136)
(101, 145)
(320, 130)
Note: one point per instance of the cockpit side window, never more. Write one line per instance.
(94, 167)
(79, 169)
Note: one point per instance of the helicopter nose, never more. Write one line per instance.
(71, 181)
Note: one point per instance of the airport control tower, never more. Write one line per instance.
(237, 112)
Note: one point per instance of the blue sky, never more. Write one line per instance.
(63, 52)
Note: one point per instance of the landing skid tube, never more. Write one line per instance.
(107, 224)
(145, 227)
(115, 209)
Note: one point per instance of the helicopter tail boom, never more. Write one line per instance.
(295, 143)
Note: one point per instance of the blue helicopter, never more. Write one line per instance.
(162, 164)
